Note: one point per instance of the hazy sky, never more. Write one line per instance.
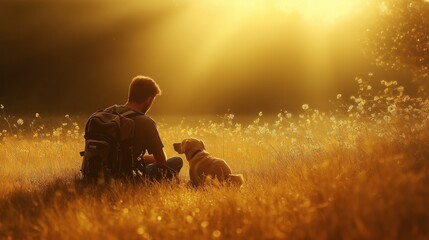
(78, 56)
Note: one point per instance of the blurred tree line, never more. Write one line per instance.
(398, 37)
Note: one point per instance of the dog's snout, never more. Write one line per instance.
(177, 147)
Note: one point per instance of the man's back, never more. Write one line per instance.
(146, 136)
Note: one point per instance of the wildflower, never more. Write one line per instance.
(288, 115)
(260, 114)
(305, 106)
(369, 87)
(386, 118)
(406, 98)
(216, 233)
(359, 80)
(67, 116)
(1, 106)
(20, 121)
(392, 108)
(339, 96)
(37, 115)
(370, 74)
(400, 89)
(204, 224)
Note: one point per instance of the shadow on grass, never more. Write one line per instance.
(21, 210)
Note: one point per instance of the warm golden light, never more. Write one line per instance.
(228, 43)
(317, 11)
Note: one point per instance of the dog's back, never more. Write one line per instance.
(204, 165)
(236, 179)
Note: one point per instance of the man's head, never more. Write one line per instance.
(142, 92)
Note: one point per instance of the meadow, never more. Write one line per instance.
(359, 171)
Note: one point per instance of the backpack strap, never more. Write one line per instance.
(130, 113)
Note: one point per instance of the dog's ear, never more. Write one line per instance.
(202, 144)
(185, 146)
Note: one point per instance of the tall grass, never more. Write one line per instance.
(360, 171)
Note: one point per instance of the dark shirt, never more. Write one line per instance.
(146, 136)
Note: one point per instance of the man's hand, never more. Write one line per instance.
(148, 159)
(158, 157)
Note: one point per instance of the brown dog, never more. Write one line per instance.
(203, 166)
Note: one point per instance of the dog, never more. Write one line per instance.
(203, 166)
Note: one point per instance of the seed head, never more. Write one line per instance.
(20, 121)
(305, 106)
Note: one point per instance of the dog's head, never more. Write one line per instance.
(189, 147)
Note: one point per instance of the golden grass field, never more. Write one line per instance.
(358, 172)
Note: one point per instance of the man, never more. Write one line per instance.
(142, 92)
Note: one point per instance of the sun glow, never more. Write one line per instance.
(252, 25)
(317, 11)
(224, 45)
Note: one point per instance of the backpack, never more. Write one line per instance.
(108, 153)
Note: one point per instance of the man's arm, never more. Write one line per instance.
(158, 156)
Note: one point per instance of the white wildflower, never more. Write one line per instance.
(1, 106)
(37, 115)
(339, 96)
(392, 108)
(20, 121)
(305, 106)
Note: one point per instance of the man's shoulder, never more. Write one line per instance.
(143, 118)
(138, 117)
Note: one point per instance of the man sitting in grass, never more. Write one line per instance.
(142, 92)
